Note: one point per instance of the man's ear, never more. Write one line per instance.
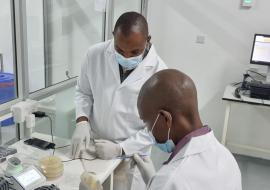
(167, 117)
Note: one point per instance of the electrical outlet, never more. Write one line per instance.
(200, 39)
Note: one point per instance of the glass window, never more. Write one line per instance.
(122, 6)
(61, 109)
(35, 44)
(7, 131)
(8, 90)
(59, 33)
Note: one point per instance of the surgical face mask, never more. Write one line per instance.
(168, 146)
(128, 63)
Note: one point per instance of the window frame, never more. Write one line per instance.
(17, 67)
(20, 53)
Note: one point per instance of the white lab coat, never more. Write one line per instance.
(203, 163)
(110, 105)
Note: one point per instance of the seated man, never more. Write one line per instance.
(168, 105)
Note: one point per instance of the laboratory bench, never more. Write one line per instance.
(247, 148)
(70, 179)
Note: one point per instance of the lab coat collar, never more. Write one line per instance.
(196, 145)
(198, 132)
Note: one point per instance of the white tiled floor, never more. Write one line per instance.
(255, 173)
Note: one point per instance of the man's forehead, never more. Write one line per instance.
(133, 29)
(131, 33)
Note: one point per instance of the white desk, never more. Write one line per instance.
(70, 179)
(230, 99)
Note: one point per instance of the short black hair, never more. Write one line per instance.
(127, 21)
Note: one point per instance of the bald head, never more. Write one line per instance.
(167, 103)
(169, 89)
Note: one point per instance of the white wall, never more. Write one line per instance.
(6, 36)
(228, 31)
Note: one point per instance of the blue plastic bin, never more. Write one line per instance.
(7, 88)
(7, 122)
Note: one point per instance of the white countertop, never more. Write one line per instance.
(229, 96)
(70, 179)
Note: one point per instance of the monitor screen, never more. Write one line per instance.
(261, 50)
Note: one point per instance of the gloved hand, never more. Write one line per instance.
(146, 167)
(80, 139)
(88, 154)
(107, 150)
(89, 182)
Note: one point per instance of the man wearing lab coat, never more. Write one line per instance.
(106, 96)
(167, 103)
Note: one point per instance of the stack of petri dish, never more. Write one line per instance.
(52, 167)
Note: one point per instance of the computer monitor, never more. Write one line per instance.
(261, 52)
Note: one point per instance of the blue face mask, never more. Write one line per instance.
(128, 63)
(168, 146)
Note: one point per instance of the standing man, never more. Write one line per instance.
(168, 105)
(106, 96)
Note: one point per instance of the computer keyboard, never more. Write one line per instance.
(48, 187)
(4, 185)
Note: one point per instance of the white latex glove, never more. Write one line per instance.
(107, 150)
(146, 167)
(89, 182)
(80, 139)
(88, 154)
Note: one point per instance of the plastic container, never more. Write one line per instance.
(14, 166)
(7, 122)
(7, 87)
(52, 167)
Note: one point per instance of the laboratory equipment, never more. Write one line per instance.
(123, 157)
(29, 179)
(48, 187)
(4, 185)
(52, 167)
(4, 152)
(41, 144)
(14, 166)
(89, 181)
(22, 113)
(259, 90)
(261, 52)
